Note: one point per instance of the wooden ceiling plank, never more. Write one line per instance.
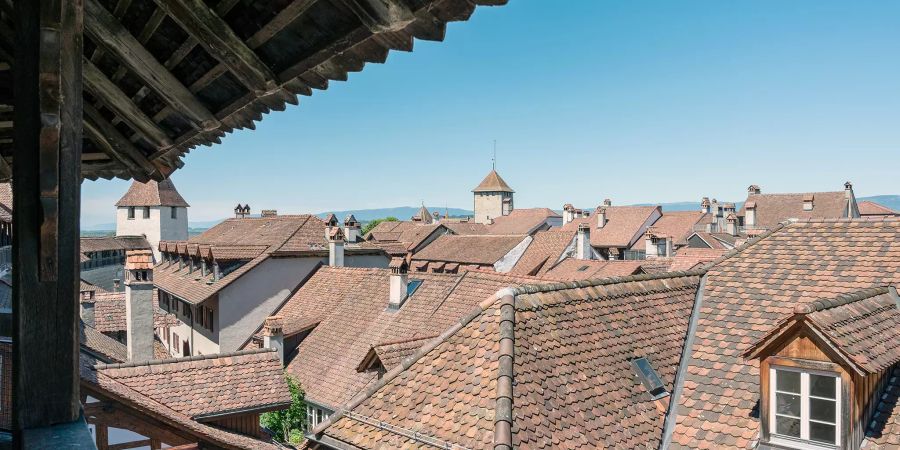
(113, 97)
(118, 12)
(381, 15)
(217, 37)
(284, 18)
(105, 30)
(223, 8)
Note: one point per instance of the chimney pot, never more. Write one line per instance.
(607, 202)
(848, 186)
(583, 242)
(269, 213)
(601, 217)
(351, 229)
(753, 189)
(336, 247)
(731, 226)
(399, 282)
(273, 335)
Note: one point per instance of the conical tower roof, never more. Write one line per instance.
(493, 183)
(152, 193)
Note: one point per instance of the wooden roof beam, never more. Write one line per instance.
(111, 141)
(105, 30)
(118, 12)
(217, 37)
(223, 8)
(113, 97)
(381, 15)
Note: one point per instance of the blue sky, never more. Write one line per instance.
(638, 101)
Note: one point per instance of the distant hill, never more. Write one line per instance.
(400, 212)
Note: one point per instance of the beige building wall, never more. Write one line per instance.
(489, 206)
(159, 226)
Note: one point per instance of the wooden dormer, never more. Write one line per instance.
(823, 369)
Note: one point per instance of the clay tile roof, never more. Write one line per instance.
(883, 432)
(423, 215)
(84, 286)
(99, 244)
(750, 291)
(97, 382)
(677, 224)
(870, 208)
(350, 306)
(470, 249)
(152, 193)
(209, 384)
(493, 183)
(138, 259)
(772, 209)
(544, 251)
(109, 312)
(574, 386)
(101, 345)
(522, 221)
(623, 227)
(391, 354)
(571, 269)
(863, 326)
(6, 202)
(465, 228)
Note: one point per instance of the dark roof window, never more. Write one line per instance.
(412, 287)
(649, 378)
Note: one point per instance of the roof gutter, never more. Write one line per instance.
(675, 398)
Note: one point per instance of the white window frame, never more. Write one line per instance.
(803, 443)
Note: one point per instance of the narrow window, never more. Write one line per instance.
(146, 212)
(131, 212)
(174, 212)
(806, 407)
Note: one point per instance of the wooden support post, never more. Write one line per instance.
(102, 435)
(46, 186)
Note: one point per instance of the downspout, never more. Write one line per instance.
(675, 398)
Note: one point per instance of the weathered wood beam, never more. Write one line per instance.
(113, 97)
(46, 183)
(118, 12)
(284, 18)
(109, 138)
(381, 15)
(130, 445)
(105, 30)
(223, 8)
(114, 414)
(217, 37)
(94, 133)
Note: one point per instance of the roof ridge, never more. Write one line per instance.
(867, 219)
(405, 340)
(843, 299)
(407, 362)
(561, 285)
(750, 242)
(156, 362)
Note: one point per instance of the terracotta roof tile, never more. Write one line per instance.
(571, 269)
(749, 292)
(624, 225)
(98, 244)
(772, 209)
(870, 208)
(677, 224)
(152, 193)
(547, 248)
(574, 385)
(522, 221)
(493, 183)
(101, 345)
(883, 432)
(470, 249)
(109, 312)
(465, 228)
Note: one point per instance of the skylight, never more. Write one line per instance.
(412, 286)
(649, 378)
(582, 268)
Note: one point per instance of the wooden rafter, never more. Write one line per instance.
(117, 146)
(113, 97)
(105, 30)
(381, 15)
(219, 40)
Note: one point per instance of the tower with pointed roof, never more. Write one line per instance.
(493, 198)
(155, 210)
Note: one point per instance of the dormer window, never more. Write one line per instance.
(808, 202)
(805, 408)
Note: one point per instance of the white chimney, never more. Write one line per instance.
(601, 216)
(750, 214)
(731, 226)
(568, 213)
(351, 229)
(336, 247)
(656, 246)
(139, 304)
(704, 205)
(273, 335)
(754, 189)
(583, 242)
(399, 283)
(808, 200)
(607, 202)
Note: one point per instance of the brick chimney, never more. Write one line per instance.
(583, 242)
(87, 310)
(704, 205)
(351, 229)
(273, 335)
(754, 189)
(601, 216)
(731, 226)
(139, 304)
(336, 247)
(399, 282)
(268, 213)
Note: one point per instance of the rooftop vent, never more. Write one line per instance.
(649, 378)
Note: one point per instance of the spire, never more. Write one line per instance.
(493, 183)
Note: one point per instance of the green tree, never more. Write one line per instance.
(371, 225)
(287, 424)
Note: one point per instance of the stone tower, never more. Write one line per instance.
(493, 198)
(155, 210)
